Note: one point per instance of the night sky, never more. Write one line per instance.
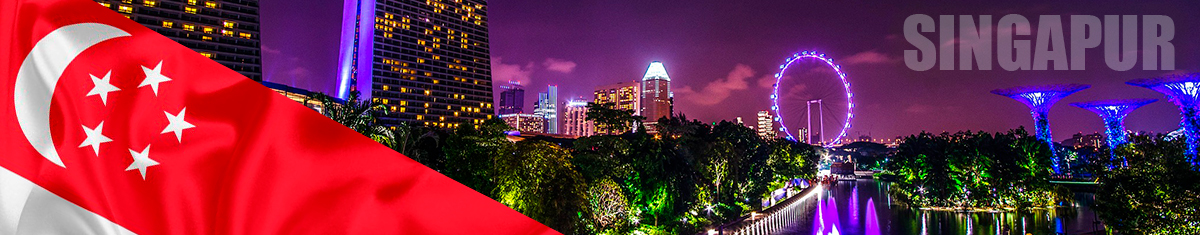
(718, 52)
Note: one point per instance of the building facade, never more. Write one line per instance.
(427, 61)
(575, 121)
(766, 125)
(547, 107)
(301, 96)
(225, 31)
(525, 123)
(657, 101)
(512, 99)
(623, 96)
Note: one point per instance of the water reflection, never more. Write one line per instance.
(862, 215)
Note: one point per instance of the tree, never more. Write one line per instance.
(974, 169)
(1156, 194)
(609, 119)
(357, 115)
(540, 181)
(470, 154)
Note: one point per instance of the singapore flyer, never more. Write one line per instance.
(812, 93)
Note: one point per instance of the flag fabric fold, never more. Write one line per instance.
(115, 129)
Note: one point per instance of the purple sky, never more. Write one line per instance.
(717, 51)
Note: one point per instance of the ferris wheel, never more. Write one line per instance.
(813, 95)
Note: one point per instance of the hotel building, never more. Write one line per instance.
(225, 31)
(427, 61)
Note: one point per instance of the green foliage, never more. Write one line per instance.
(686, 178)
(609, 119)
(540, 181)
(974, 170)
(470, 154)
(1157, 193)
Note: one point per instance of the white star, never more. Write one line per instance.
(153, 77)
(102, 86)
(141, 161)
(177, 124)
(94, 138)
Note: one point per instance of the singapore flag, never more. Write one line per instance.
(107, 127)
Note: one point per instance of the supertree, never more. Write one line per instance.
(1040, 99)
(1113, 113)
(1184, 91)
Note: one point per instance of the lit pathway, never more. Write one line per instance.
(777, 220)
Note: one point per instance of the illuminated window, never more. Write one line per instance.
(206, 38)
(229, 24)
(210, 4)
(208, 29)
(385, 87)
(168, 24)
(149, 3)
(227, 33)
(244, 35)
(127, 1)
(189, 27)
(189, 10)
(105, 4)
(191, 2)
(125, 9)
(207, 54)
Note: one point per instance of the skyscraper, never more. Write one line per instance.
(575, 119)
(525, 123)
(225, 31)
(547, 107)
(623, 96)
(428, 61)
(656, 98)
(512, 99)
(766, 125)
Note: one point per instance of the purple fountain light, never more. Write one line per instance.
(872, 225)
(1184, 91)
(1039, 99)
(1113, 113)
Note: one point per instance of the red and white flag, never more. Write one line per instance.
(107, 127)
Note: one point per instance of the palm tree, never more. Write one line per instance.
(359, 116)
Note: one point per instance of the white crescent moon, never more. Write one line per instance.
(39, 75)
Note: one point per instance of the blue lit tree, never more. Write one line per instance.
(1113, 113)
(1184, 91)
(1040, 99)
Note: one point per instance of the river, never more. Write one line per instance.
(864, 207)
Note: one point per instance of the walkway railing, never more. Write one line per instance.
(774, 219)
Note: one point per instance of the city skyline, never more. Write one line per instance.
(574, 46)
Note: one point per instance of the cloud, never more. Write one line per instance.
(511, 72)
(269, 50)
(559, 65)
(768, 81)
(716, 91)
(299, 72)
(870, 57)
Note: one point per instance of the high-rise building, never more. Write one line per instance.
(656, 98)
(225, 31)
(525, 123)
(426, 60)
(547, 107)
(512, 99)
(766, 125)
(575, 119)
(299, 95)
(623, 96)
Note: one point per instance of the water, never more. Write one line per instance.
(864, 207)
